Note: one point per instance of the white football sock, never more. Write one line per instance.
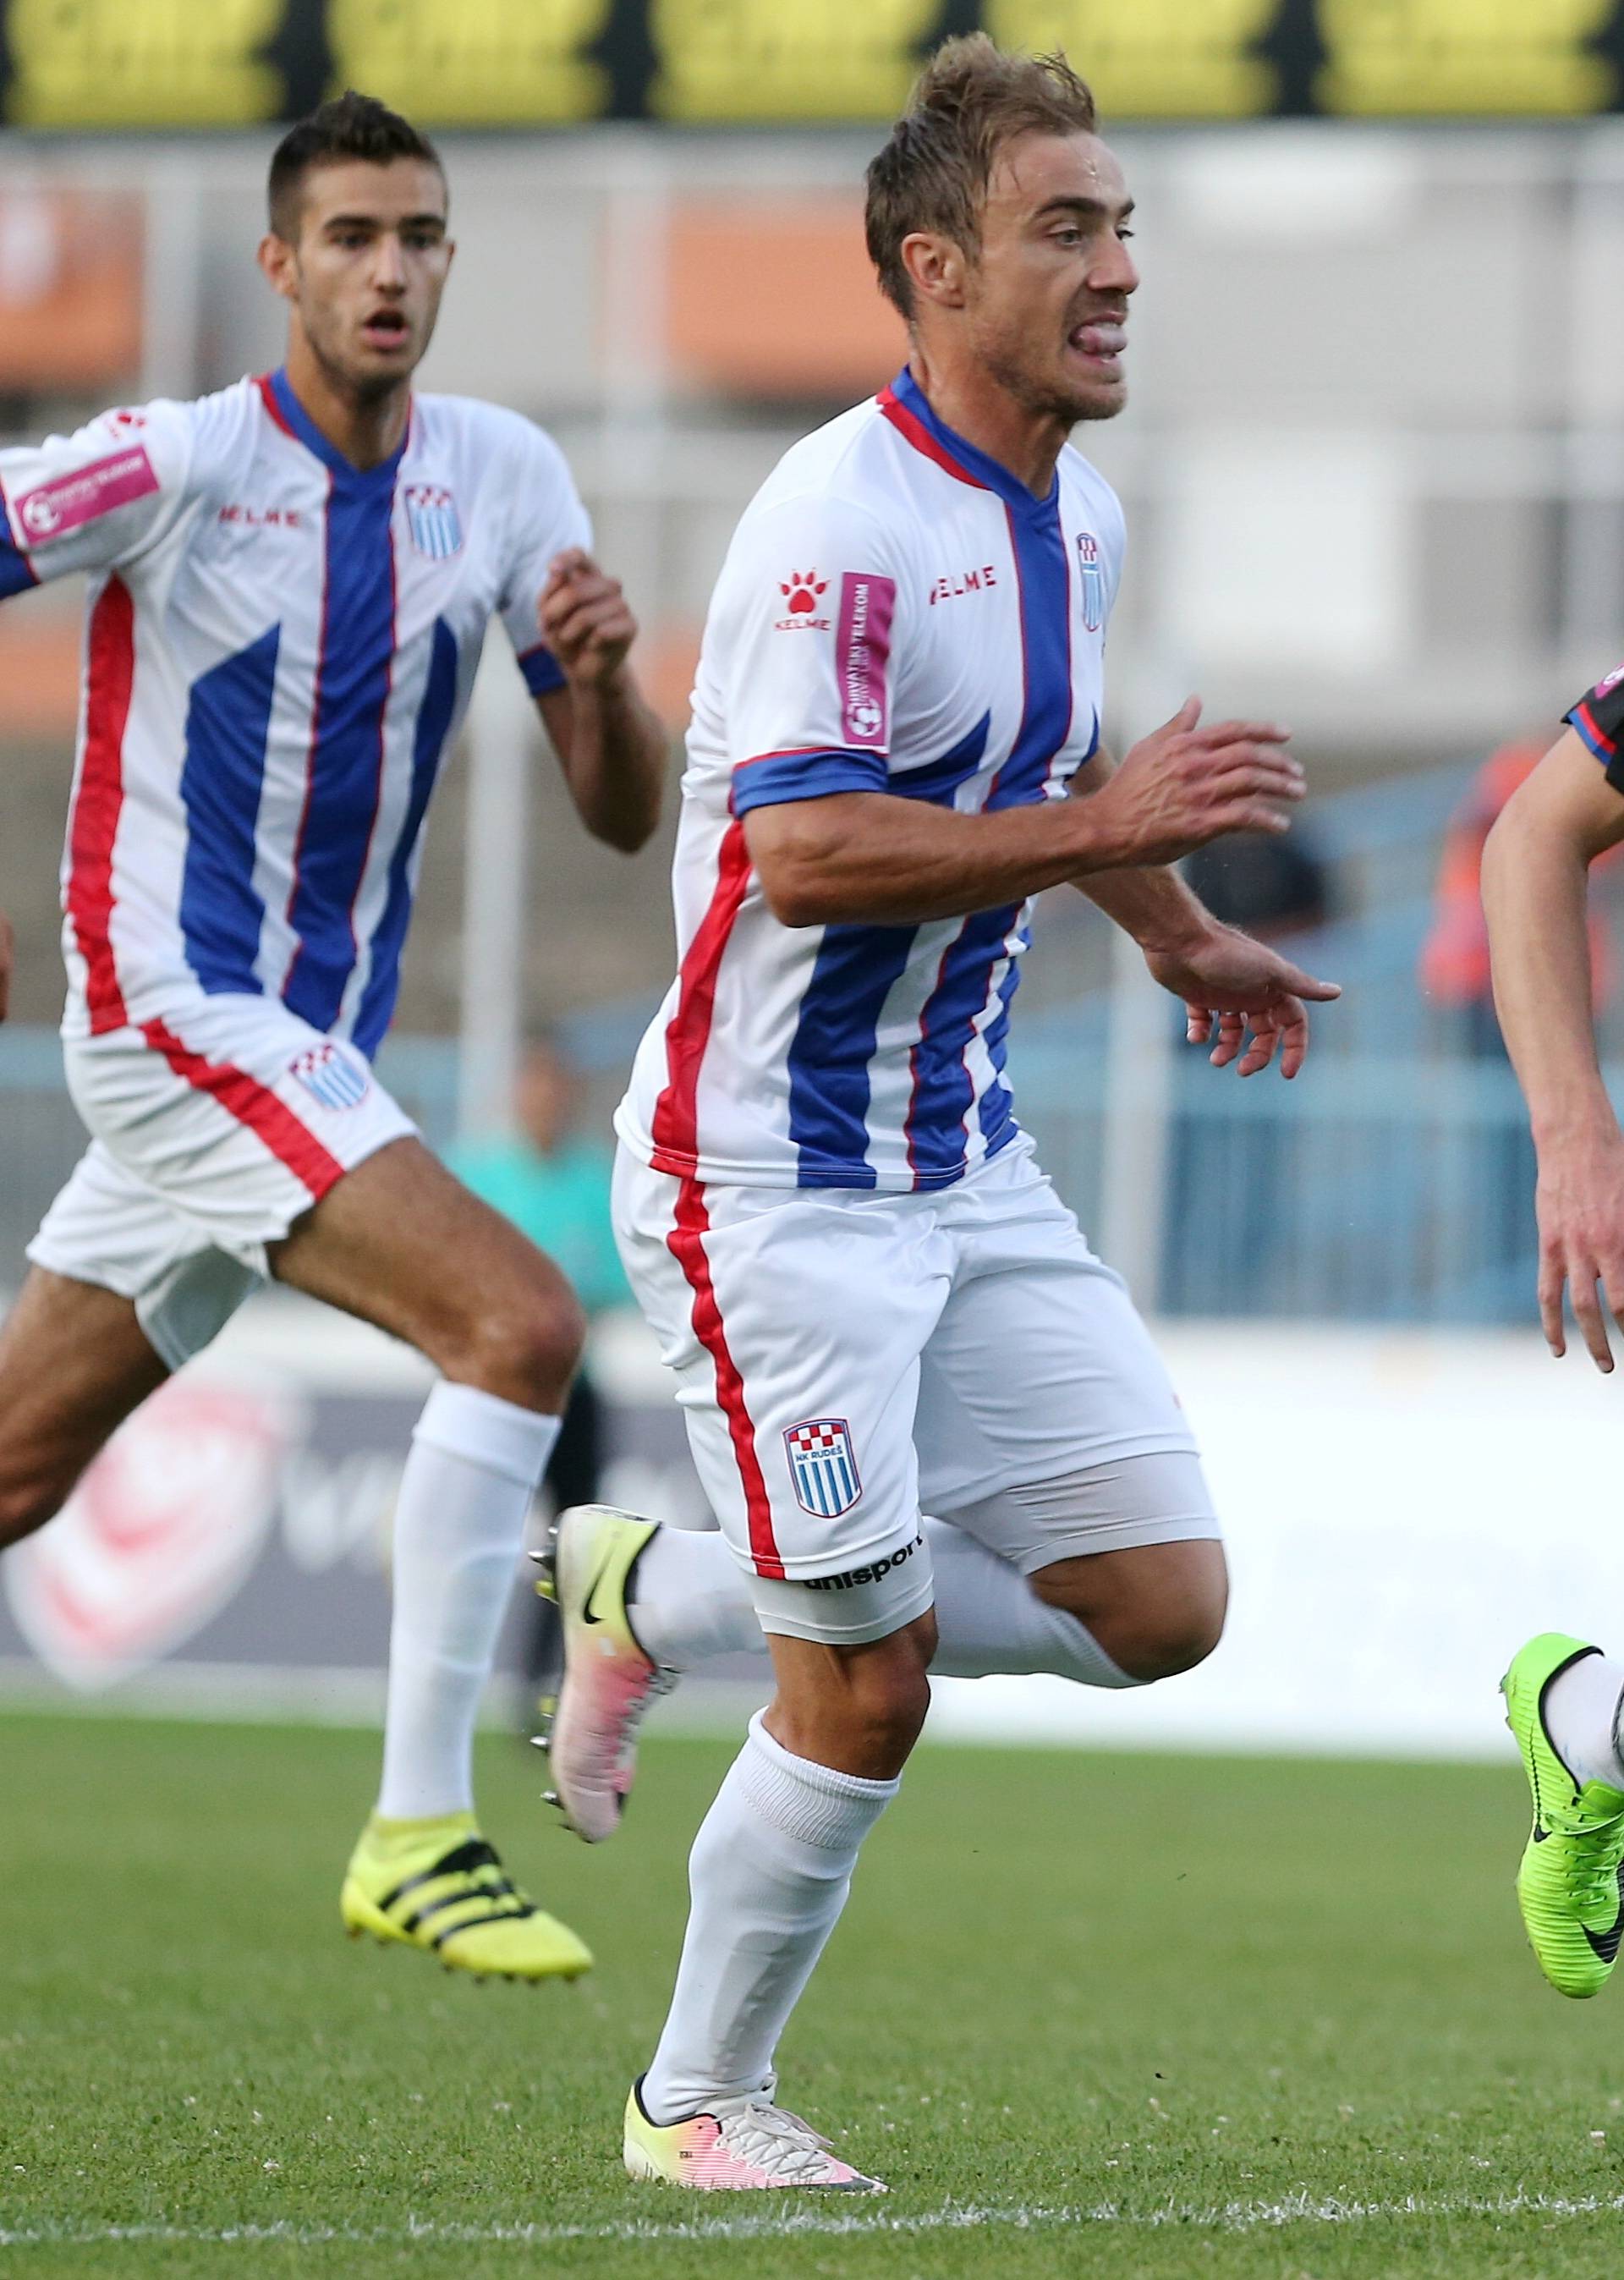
(768, 1876)
(475, 1463)
(992, 1623)
(1582, 1718)
(691, 1601)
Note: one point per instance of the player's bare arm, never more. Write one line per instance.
(1536, 870)
(1230, 984)
(611, 746)
(874, 858)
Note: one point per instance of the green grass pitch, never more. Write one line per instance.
(1117, 2015)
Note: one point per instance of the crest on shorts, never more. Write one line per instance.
(823, 1466)
(432, 519)
(330, 1076)
(1093, 579)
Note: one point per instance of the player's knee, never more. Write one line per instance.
(1155, 1610)
(27, 1500)
(862, 1708)
(526, 1346)
(1159, 1641)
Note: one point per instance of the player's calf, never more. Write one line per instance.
(74, 1362)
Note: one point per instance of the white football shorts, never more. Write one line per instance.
(846, 1361)
(213, 1130)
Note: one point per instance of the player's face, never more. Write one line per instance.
(1047, 298)
(367, 274)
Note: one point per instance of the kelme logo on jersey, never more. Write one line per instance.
(330, 1076)
(432, 519)
(862, 655)
(801, 590)
(1093, 579)
(823, 1466)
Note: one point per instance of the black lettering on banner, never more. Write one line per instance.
(783, 59)
(1154, 58)
(1472, 57)
(69, 66)
(112, 63)
(474, 62)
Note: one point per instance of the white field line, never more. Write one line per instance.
(1303, 2208)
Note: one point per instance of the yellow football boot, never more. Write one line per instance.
(436, 1885)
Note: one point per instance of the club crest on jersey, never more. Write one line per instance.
(432, 519)
(331, 1077)
(823, 1466)
(1093, 579)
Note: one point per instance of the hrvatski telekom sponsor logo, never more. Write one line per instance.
(159, 1536)
(68, 502)
(863, 655)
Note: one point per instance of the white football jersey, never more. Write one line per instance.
(896, 614)
(280, 648)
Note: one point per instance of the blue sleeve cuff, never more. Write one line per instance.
(542, 671)
(16, 572)
(1580, 721)
(778, 778)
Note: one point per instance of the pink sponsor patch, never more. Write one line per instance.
(862, 653)
(58, 507)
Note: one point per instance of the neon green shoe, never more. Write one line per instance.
(436, 1885)
(608, 1682)
(1571, 1883)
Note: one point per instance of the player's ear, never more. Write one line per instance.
(277, 263)
(935, 267)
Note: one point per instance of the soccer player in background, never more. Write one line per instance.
(874, 1304)
(1563, 1696)
(290, 585)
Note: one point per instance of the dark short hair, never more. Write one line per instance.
(968, 101)
(351, 125)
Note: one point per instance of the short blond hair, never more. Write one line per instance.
(970, 100)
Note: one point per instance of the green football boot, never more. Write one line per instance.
(1571, 1883)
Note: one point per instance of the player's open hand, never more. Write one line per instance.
(1580, 1205)
(1184, 785)
(1231, 984)
(585, 619)
(7, 947)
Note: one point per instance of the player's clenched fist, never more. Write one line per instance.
(585, 618)
(1184, 785)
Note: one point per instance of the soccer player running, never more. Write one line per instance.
(1563, 1696)
(290, 585)
(874, 1304)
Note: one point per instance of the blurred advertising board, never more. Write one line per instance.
(1402, 1508)
(235, 1533)
(84, 64)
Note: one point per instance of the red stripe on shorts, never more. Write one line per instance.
(675, 1131)
(253, 1104)
(686, 1245)
(109, 676)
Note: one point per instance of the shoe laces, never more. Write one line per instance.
(1590, 1861)
(773, 2140)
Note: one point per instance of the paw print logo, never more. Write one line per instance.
(803, 592)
